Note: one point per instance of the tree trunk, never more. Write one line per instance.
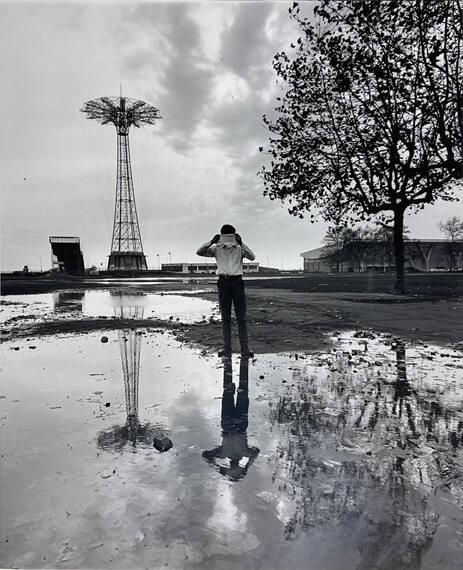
(399, 260)
(451, 250)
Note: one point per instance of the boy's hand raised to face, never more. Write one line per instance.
(238, 239)
(215, 239)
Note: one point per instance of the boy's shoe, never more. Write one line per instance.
(224, 353)
(247, 353)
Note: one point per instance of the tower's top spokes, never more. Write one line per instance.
(122, 112)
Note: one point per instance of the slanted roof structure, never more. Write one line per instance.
(317, 253)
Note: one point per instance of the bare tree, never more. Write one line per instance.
(370, 122)
(335, 239)
(452, 228)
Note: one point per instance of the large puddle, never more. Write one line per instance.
(350, 458)
(94, 303)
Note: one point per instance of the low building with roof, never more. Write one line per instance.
(377, 255)
(205, 267)
(319, 260)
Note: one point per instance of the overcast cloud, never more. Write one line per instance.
(207, 67)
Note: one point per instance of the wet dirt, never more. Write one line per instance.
(347, 457)
(278, 319)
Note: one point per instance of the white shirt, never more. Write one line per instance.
(228, 253)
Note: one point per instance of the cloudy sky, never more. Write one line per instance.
(207, 67)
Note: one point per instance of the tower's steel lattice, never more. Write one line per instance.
(126, 245)
(130, 346)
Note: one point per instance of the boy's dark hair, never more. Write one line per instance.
(227, 229)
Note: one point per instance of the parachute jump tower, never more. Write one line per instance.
(126, 246)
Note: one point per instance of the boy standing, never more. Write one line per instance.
(229, 251)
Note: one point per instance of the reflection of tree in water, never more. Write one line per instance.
(234, 456)
(133, 432)
(368, 448)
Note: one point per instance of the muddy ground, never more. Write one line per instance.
(284, 314)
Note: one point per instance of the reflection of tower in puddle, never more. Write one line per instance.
(234, 456)
(130, 344)
(129, 307)
(68, 301)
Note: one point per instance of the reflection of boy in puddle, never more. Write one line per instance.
(234, 456)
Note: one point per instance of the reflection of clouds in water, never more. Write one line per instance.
(344, 491)
(365, 440)
(100, 303)
(226, 516)
(150, 305)
(229, 523)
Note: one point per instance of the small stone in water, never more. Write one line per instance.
(104, 339)
(162, 442)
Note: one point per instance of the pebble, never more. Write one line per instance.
(104, 339)
(162, 443)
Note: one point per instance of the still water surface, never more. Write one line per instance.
(350, 458)
(96, 303)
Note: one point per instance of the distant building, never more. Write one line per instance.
(375, 255)
(318, 261)
(252, 267)
(66, 256)
(434, 254)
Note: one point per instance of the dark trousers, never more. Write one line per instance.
(235, 416)
(231, 290)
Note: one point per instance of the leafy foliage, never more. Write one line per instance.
(371, 122)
